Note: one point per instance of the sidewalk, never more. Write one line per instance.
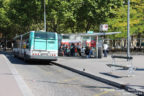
(11, 83)
(97, 69)
(8, 85)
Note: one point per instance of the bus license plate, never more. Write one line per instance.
(44, 54)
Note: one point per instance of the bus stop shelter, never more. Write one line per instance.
(93, 40)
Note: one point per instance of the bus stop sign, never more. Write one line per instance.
(104, 27)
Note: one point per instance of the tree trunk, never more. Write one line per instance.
(87, 26)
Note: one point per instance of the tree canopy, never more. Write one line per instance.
(70, 16)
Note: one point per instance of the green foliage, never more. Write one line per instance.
(70, 16)
(119, 21)
(4, 20)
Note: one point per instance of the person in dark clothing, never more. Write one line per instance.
(73, 50)
(79, 49)
(87, 50)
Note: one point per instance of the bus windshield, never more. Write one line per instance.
(45, 36)
(41, 36)
(51, 36)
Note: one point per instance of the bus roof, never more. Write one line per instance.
(29, 32)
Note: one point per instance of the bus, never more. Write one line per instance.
(36, 45)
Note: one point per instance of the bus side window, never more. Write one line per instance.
(27, 44)
(24, 44)
(15, 45)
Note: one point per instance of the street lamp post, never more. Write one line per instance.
(44, 17)
(128, 30)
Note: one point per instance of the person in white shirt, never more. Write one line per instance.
(105, 49)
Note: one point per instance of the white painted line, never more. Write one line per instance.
(22, 85)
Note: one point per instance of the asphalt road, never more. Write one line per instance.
(50, 80)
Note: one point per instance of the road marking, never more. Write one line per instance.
(71, 79)
(117, 94)
(102, 93)
(59, 70)
(44, 71)
(108, 90)
(49, 73)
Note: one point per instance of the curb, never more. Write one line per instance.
(105, 80)
(99, 78)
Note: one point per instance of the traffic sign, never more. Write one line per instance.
(104, 27)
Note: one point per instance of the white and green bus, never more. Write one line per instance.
(36, 45)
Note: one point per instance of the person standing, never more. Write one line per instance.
(83, 51)
(90, 52)
(79, 49)
(87, 50)
(105, 47)
(68, 51)
(72, 49)
(61, 52)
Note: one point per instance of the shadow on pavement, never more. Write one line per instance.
(139, 69)
(16, 60)
(111, 75)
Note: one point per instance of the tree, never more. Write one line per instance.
(118, 21)
(5, 21)
(25, 13)
(71, 16)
